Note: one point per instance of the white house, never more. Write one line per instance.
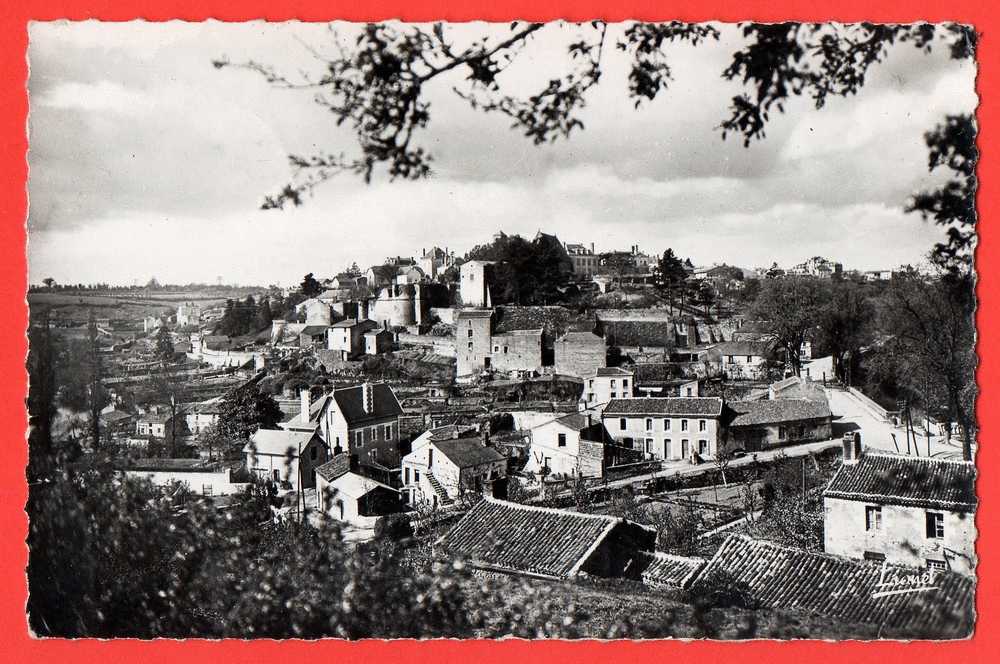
(474, 287)
(363, 421)
(570, 446)
(199, 476)
(605, 384)
(669, 428)
(742, 360)
(352, 498)
(443, 469)
(286, 456)
(914, 511)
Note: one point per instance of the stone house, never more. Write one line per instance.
(742, 360)
(377, 342)
(347, 337)
(570, 446)
(765, 424)
(440, 470)
(474, 286)
(352, 498)
(579, 353)
(903, 510)
(286, 456)
(158, 422)
(605, 384)
(202, 477)
(585, 262)
(667, 428)
(363, 422)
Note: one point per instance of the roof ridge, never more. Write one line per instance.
(883, 454)
(555, 510)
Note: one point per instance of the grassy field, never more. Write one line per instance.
(128, 306)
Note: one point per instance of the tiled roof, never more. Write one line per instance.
(278, 442)
(754, 348)
(522, 538)
(582, 337)
(756, 413)
(707, 406)
(639, 333)
(172, 465)
(116, 416)
(781, 577)
(905, 480)
(467, 452)
(664, 570)
(353, 485)
(651, 374)
(613, 371)
(350, 402)
(314, 330)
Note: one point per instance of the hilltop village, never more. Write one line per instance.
(539, 409)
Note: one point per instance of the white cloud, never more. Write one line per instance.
(100, 96)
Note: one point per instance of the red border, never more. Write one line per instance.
(16, 646)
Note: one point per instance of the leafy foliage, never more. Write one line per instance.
(245, 410)
(526, 272)
(792, 307)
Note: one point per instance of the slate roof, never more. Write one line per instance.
(582, 337)
(115, 416)
(350, 402)
(591, 430)
(277, 442)
(906, 480)
(759, 413)
(795, 387)
(664, 570)
(527, 539)
(347, 322)
(172, 465)
(704, 406)
(467, 452)
(782, 577)
(353, 485)
(314, 330)
(656, 374)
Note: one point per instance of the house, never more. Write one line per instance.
(286, 456)
(435, 261)
(352, 498)
(797, 387)
(473, 337)
(363, 422)
(379, 276)
(307, 418)
(474, 283)
(570, 446)
(313, 336)
(377, 342)
(742, 360)
(843, 590)
(579, 353)
(188, 313)
(914, 511)
(443, 469)
(667, 428)
(158, 423)
(202, 415)
(605, 384)
(347, 337)
(197, 475)
(117, 422)
(765, 424)
(585, 262)
(642, 336)
(661, 379)
(517, 351)
(541, 542)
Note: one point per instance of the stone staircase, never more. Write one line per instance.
(443, 498)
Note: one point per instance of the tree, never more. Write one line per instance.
(97, 397)
(929, 348)
(309, 286)
(49, 282)
(246, 409)
(41, 401)
(952, 145)
(264, 315)
(164, 344)
(671, 275)
(791, 308)
(845, 327)
(376, 85)
(706, 296)
(211, 440)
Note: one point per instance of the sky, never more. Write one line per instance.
(145, 160)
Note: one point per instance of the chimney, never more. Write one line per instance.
(591, 247)
(853, 450)
(304, 404)
(366, 390)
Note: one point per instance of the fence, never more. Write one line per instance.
(872, 408)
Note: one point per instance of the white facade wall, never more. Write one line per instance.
(902, 537)
(209, 483)
(663, 437)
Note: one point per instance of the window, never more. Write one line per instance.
(666, 448)
(359, 438)
(874, 556)
(873, 517)
(684, 425)
(685, 448)
(702, 447)
(649, 424)
(624, 383)
(749, 358)
(614, 395)
(782, 433)
(590, 383)
(688, 392)
(562, 440)
(504, 349)
(388, 431)
(416, 476)
(470, 345)
(206, 489)
(406, 476)
(622, 424)
(666, 424)
(702, 425)
(430, 457)
(937, 565)
(373, 433)
(935, 525)
(649, 446)
(312, 452)
(613, 383)
(496, 349)
(470, 331)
